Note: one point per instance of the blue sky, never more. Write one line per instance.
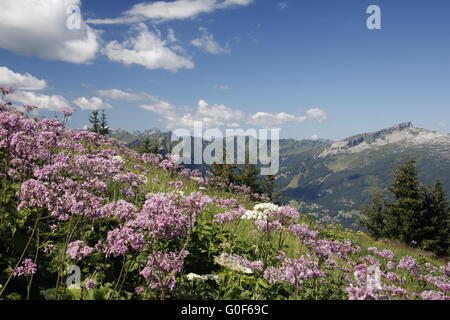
(309, 67)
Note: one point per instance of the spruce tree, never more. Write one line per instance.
(437, 231)
(155, 147)
(268, 186)
(149, 146)
(404, 217)
(225, 172)
(95, 122)
(249, 177)
(145, 146)
(374, 216)
(103, 125)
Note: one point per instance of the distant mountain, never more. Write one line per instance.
(123, 135)
(344, 175)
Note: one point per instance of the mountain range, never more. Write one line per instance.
(334, 179)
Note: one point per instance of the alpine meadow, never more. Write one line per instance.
(224, 150)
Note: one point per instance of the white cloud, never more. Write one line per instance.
(171, 36)
(210, 115)
(230, 3)
(315, 137)
(207, 43)
(39, 28)
(9, 78)
(219, 115)
(117, 94)
(317, 114)
(179, 9)
(42, 101)
(161, 107)
(269, 119)
(282, 5)
(147, 49)
(171, 10)
(94, 103)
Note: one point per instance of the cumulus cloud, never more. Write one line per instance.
(42, 101)
(117, 94)
(161, 107)
(39, 28)
(317, 114)
(207, 43)
(211, 115)
(170, 10)
(269, 119)
(9, 78)
(219, 115)
(94, 103)
(147, 49)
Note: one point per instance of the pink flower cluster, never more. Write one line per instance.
(409, 263)
(162, 267)
(78, 250)
(293, 271)
(230, 216)
(386, 253)
(302, 232)
(27, 268)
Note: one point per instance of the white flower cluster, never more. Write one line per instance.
(261, 211)
(118, 160)
(232, 265)
(197, 277)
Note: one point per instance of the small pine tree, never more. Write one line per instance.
(404, 218)
(437, 231)
(249, 177)
(95, 122)
(225, 172)
(155, 146)
(268, 188)
(145, 145)
(149, 146)
(103, 125)
(374, 216)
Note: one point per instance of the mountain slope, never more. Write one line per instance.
(345, 174)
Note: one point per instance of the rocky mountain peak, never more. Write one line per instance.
(369, 137)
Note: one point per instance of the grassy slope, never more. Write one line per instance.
(293, 246)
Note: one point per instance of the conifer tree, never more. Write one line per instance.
(95, 122)
(374, 216)
(437, 230)
(155, 146)
(418, 215)
(249, 177)
(103, 125)
(145, 145)
(149, 146)
(268, 188)
(404, 217)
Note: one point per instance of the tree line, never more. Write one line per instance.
(418, 216)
